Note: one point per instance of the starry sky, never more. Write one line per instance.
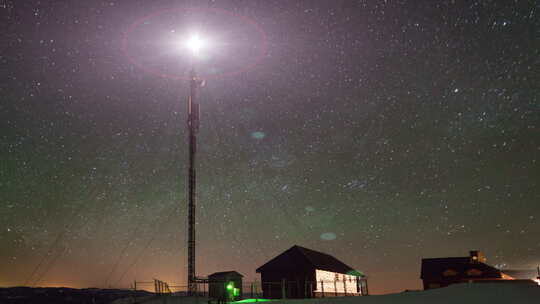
(379, 132)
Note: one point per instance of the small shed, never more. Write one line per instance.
(225, 285)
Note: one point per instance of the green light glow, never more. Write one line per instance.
(253, 300)
(356, 273)
(230, 286)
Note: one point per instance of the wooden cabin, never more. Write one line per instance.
(441, 272)
(304, 273)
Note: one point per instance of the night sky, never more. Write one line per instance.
(379, 132)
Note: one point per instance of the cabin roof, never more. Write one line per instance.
(225, 274)
(309, 258)
(521, 273)
(435, 268)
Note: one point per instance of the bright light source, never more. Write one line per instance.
(195, 44)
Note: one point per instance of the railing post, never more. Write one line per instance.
(322, 288)
(367, 290)
(257, 292)
(134, 291)
(345, 285)
(283, 289)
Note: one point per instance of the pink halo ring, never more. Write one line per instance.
(245, 19)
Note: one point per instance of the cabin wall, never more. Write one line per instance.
(294, 284)
(336, 283)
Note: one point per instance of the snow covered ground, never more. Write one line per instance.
(456, 294)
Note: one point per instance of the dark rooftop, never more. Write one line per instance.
(435, 267)
(315, 259)
(521, 273)
(225, 273)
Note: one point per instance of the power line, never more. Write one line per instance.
(154, 235)
(91, 193)
(55, 259)
(53, 246)
(128, 243)
(49, 267)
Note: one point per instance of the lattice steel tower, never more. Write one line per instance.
(193, 127)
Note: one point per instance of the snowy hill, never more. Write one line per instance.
(460, 293)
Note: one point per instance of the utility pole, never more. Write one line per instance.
(193, 127)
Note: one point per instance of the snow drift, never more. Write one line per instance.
(492, 293)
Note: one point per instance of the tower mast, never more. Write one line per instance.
(193, 127)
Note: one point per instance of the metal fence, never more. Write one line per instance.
(313, 289)
(257, 289)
